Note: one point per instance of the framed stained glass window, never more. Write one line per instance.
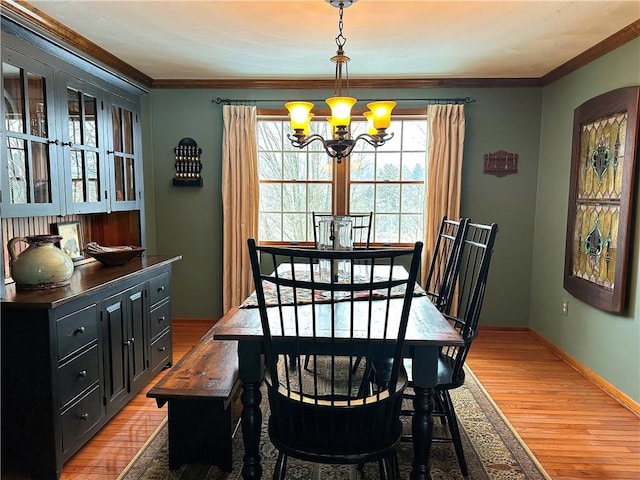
(601, 193)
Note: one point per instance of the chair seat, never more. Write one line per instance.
(446, 367)
(324, 433)
(335, 446)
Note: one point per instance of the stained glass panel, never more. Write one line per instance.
(595, 243)
(602, 158)
(601, 195)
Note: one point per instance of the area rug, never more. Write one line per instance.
(493, 451)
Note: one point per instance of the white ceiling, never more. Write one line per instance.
(385, 38)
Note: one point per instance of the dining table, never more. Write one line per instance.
(427, 331)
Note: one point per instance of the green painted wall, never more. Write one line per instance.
(188, 221)
(607, 344)
(525, 284)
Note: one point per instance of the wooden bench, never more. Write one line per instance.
(200, 390)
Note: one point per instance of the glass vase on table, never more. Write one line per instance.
(335, 234)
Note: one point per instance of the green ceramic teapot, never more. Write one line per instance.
(41, 265)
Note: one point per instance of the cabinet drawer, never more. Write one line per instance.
(80, 418)
(76, 330)
(161, 351)
(159, 288)
(78, 374)
(160, 319)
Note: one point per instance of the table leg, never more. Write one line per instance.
(251, 372)
(424, 370)
(422, 431)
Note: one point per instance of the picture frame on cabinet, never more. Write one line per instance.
(601, 199)
(71, 242)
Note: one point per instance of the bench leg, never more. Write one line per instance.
(200, 431)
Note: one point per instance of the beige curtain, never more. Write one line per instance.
(240, 197)
(446, 146)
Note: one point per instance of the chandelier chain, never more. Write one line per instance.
(340, 39)
(340, 144)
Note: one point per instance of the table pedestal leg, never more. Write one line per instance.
(425, 377)
(250, 371)
(422, 431)
(251, 423)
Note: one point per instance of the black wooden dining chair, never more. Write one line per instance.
(361, 225)
(331, 414)
(445, 262)
(463, 313)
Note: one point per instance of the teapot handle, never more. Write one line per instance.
(11, 250)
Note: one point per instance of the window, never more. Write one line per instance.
(389, 181)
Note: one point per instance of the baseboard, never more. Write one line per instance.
(503, 328)
(586, 372)
(195, 321)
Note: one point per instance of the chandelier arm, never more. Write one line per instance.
(374, 140)
(336, 148)
(339, 148)
(301, 142)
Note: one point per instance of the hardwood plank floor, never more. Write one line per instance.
(575, 429)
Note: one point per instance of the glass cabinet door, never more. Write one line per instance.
(125, 164)
(83, 149)
(30, 185)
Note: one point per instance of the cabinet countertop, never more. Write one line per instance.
(86, 279)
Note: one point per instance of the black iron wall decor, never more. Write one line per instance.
(188, 165)
(601, 193)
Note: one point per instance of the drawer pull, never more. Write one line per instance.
(82, 374)
(84, 416)
(161, 289)
(127, 343)
(162, 349)
(161, 319)
(79, 330)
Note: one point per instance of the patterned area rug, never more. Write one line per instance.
(492, 449)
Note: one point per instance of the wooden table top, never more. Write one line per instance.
(426, 326)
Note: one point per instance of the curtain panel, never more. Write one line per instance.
(240, 201)
(444, 177)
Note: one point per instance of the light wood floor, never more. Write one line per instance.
(575, 430)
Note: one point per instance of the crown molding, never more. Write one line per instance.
(53, 31)
(380, 83)
(31, 16)
(630, 32)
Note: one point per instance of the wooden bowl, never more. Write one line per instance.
(112, 256)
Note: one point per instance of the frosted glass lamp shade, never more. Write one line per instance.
(305, 130)
(381, 113)
(300, 113)
(341, 110)
(371, 130)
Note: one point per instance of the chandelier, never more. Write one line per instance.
(340, 145)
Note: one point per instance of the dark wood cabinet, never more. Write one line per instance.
(161, 348)
(72, 357)
(125, 324)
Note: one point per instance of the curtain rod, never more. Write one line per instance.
(430, 101)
